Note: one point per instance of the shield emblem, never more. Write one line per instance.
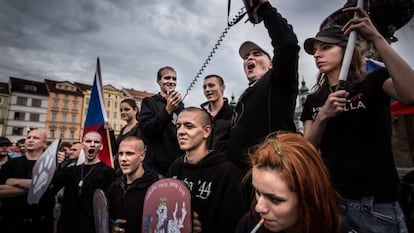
(167, 207)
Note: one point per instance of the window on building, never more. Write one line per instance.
(73, 118)
(64, 116)
(52, 133)
(34, 116)
(108, 103)
(54, 114)
(75, 105)
(72, 134)
(17, 131)
(36, 103)
(55, 103)
(29, 87)
(116, 104)
(65, 104)
(19, 116)
(62, 133)
(21, 101)
(115, 115)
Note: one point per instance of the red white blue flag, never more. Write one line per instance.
(397, 108)
(96, 118)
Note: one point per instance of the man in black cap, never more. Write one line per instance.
(268, 104)
(5, 144)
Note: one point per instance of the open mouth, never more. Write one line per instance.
(91, 151)
(250, 66)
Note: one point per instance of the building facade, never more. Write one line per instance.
(4, 101)
(64, 112)
(27, 107)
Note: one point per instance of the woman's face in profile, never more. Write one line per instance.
(276, 203)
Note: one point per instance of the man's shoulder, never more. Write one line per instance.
(16, 161)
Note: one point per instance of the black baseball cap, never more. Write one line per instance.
(4, 141)
(331, 35)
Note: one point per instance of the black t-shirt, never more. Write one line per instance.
(77, 203)
(356, 145)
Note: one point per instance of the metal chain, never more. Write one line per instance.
(235, 20)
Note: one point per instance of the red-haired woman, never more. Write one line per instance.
(293, 189)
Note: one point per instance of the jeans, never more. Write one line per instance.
(367, 216)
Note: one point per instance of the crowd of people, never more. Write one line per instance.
(246, 167)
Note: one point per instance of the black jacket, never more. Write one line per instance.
(158, 128)
(220, 135)
(127, 201)
(216, 195)
(268, 104)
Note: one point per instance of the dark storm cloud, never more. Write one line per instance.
(61, 39)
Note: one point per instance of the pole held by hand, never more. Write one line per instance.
(346, 62)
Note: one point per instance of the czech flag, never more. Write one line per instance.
(397, 108)
(96, 118)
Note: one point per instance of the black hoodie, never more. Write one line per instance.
(220, 135)
(268, 104)
(127, 201)
(215, 189)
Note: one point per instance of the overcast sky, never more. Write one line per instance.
(61, 39)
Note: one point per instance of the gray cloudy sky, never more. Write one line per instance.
(61, 39)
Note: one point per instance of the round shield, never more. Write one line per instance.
(100, 212)
(167, 207)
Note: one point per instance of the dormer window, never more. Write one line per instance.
(30, 88)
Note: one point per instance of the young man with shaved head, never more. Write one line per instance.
(80, 182)
(213, 181)
(220, 112)
(126, 194)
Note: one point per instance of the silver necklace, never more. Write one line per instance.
(80, 184)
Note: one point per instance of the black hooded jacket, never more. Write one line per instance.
(127, 201)
(268, 104)
(220, 135)
(215, 189)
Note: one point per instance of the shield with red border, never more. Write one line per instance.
(167, 207)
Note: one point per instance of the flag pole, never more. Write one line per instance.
(98, 67)
(350, 46)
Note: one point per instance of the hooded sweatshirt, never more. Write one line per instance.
(126, 201)
(215, 186)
